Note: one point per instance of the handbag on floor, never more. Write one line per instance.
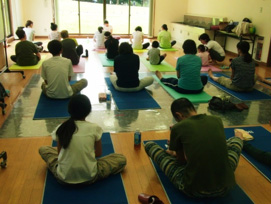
(224, 104)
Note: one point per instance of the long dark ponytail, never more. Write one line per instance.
(243, 46)
(79, 107)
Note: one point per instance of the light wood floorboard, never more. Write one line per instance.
(23, 179)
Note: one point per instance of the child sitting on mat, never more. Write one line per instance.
(57, 72)
(74, 161)
(204, 55)
(243, 75)
(154, 54)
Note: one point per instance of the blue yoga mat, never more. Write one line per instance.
(244, 96)
(262, 141)
(52, 108)
(109, 190)
(235, 196)
(132, 100)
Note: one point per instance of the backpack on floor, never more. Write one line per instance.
(3, 94)
(221, 104)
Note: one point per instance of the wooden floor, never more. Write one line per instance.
(23, 179)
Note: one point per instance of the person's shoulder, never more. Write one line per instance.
(213, 117)
(89, 125)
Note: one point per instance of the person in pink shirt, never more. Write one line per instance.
(204, 55)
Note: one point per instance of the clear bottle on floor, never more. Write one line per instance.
(137, 139)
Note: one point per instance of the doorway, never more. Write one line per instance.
(85, 16)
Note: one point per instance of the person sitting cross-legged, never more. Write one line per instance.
(243, 75)
(57, 72)
(71, 49)
(26, 52)
(200, 162)
(77, 159)
(126, 66)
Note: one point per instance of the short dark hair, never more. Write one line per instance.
(106, 22)
(20, 33)
(53, 26)
(125, 48)
(28, 23)
(202, 48)
(164, 26)
(107, 34)
(64, 34)
(79, 106)
(100, 29)
(54, 47)
(138, 28)
(182, 105)
(205, 37)
(155, 44)
(189, 47)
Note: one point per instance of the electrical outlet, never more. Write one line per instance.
(45, 29)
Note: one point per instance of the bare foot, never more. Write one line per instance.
(210, 73)
(165, 55)
(158, 74)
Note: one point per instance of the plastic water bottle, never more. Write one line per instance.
(137, 139)
(108, 96)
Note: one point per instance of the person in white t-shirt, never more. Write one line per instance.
(216, 51)
(137, 38)
(57, 72)
(30, 34)
(78, 144)
(204, 55)
(107, 27)
(54, 35)
(99, 38)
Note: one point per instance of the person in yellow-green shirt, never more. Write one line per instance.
(164, 38)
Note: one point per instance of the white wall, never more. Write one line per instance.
(16, 15)
(258, 11)
(166, 12)
(40, 12)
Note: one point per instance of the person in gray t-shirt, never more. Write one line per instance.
(154, 54)
(243, 75)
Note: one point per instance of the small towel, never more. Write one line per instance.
(246, 135)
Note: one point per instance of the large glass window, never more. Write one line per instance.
(140, 15)
(84, 16)
(68, 15)
(91, 16)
